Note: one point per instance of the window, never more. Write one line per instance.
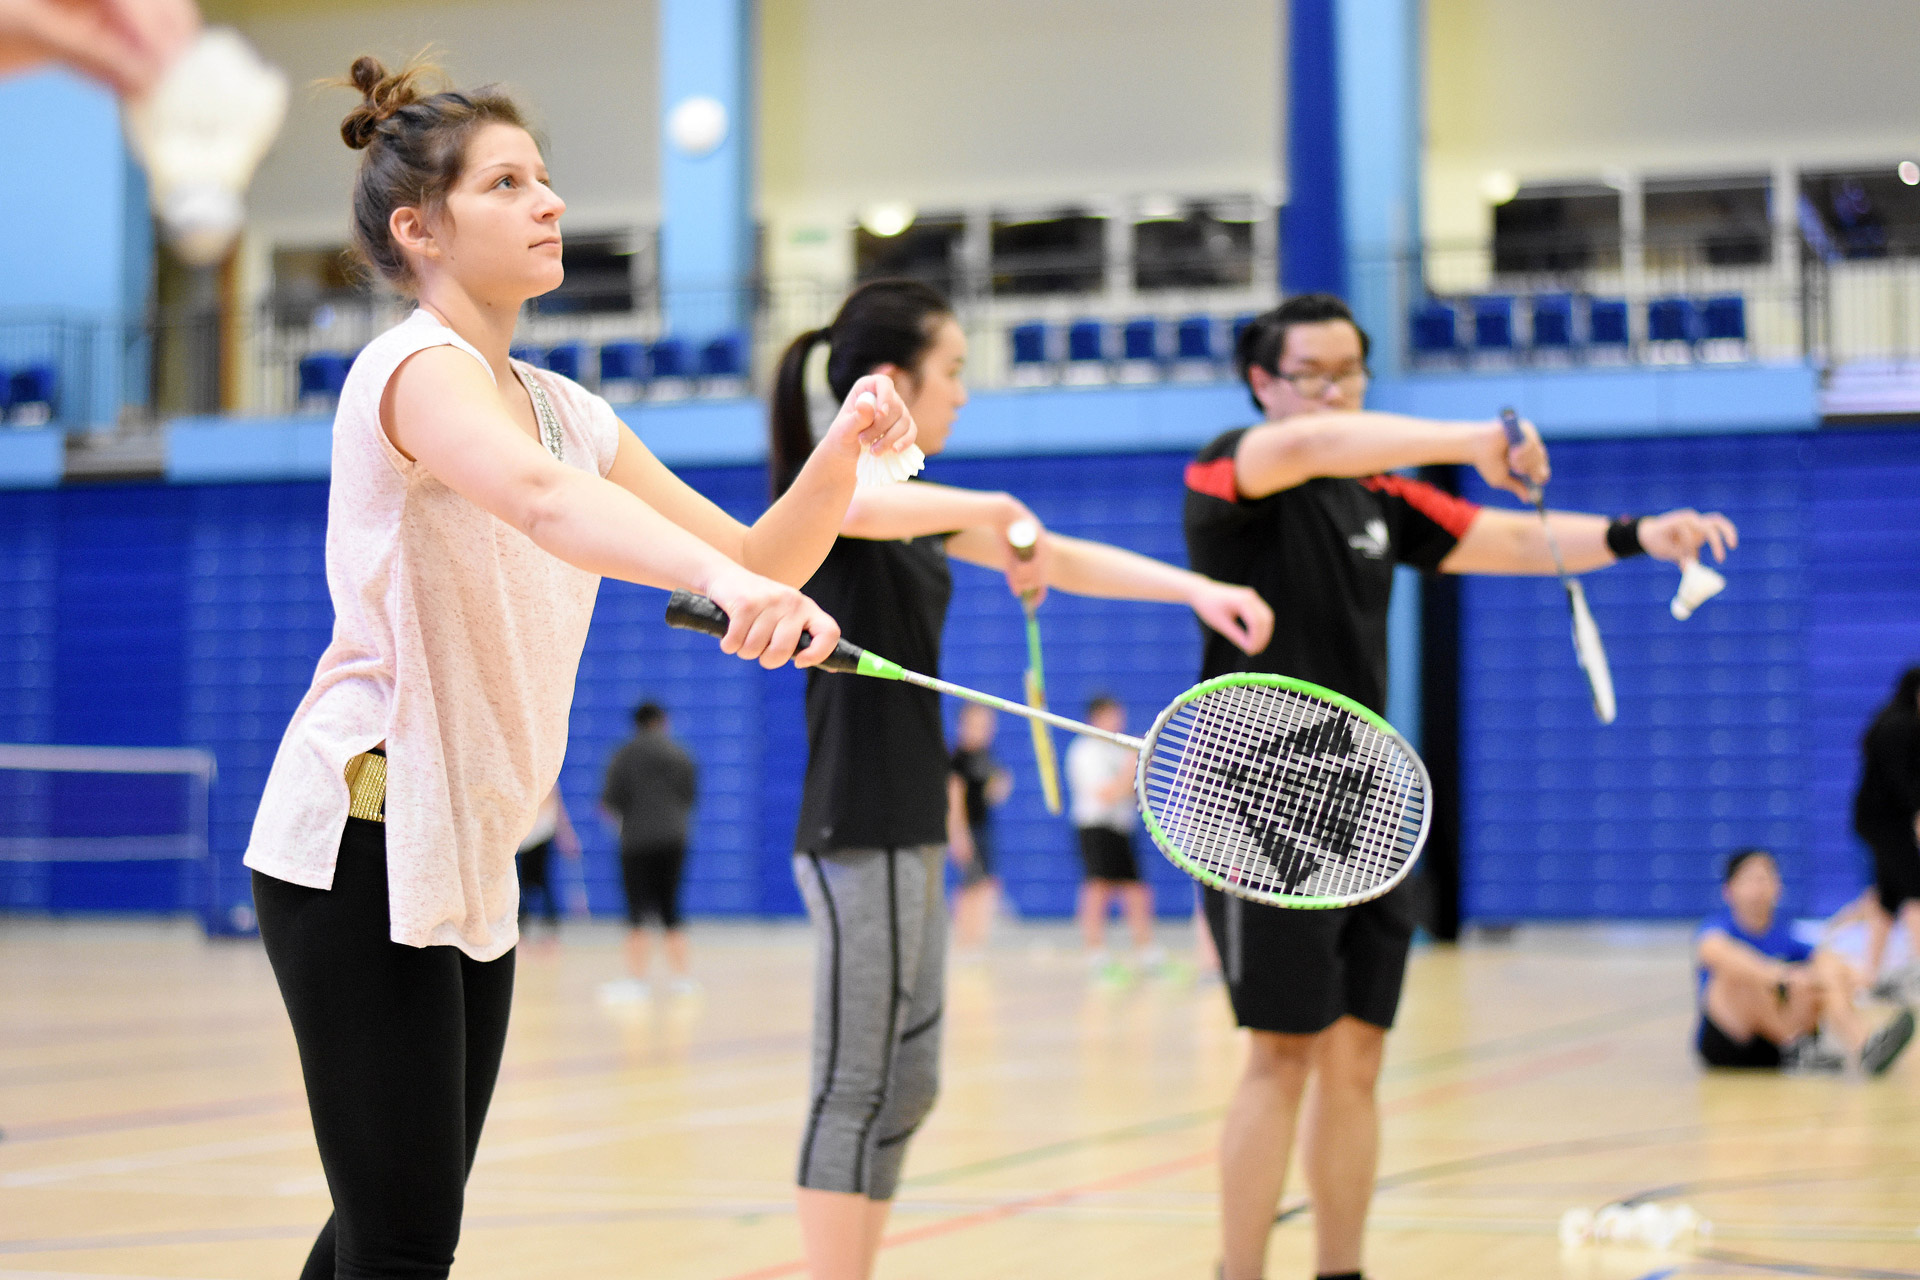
(1867, 213)
(599, 277)
(307, 279)
(1206, 244)
(928, 250)
(1721, 222)
(1057, 253)
(1558, 229)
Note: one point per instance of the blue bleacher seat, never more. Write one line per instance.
(1029, 343)
(322, 374)
(1086, 340)
(30, 394)
(1672, 320)
(1553, 321)
(1242, 323)
(1140, 340)
(1193, 338)
(1493, 322)
(6, 393)
(724, 357)
(1433, 330)
(566, 359)
(528, 355)
(623, 362)
(668, 358)
(1724, 319)
(1607, 322)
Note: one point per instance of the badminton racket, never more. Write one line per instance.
(1023, 536)
(1588, 651)
(1265, 787)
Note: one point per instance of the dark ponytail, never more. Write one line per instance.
(882, 322)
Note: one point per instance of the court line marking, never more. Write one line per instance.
(259, 1145)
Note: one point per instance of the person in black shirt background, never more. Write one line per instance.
(1886, 814)
(870, 848)
(1301, 507)
(977, 785)
(651, 786)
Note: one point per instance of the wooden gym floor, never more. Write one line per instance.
(155, 1125)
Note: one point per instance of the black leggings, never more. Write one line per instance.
(399, 1046)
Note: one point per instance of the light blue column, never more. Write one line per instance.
(1378, 50)
(706, 195)
(76, 253)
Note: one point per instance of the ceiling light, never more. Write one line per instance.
(889, 218)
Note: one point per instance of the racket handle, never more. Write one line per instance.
(689, 612)
(1510, 423)
(1024, 537)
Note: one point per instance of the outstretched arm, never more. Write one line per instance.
(1281, 455)
(1097, 569)
(790, 540)
(441, 409)
(1514, 542)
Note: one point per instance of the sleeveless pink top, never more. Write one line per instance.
(455, 641)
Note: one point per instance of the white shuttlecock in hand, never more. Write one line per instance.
(1698, 584)
(888, 467)
(201, 133)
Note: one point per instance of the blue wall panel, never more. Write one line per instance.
(1735, 727)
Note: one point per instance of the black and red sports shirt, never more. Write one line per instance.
(1322, 554)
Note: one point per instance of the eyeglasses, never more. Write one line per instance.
(1311, 386)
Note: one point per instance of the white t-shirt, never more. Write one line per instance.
(1092, 764)
(455, 641)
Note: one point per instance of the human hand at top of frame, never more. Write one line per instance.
(1678, 535)
(124, 44)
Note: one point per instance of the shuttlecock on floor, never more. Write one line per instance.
(1646, 1225)
(201, 133)
(1698, 584)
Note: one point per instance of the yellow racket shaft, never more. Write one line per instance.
(1043, 755)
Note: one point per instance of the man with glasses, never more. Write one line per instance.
(1302, 506)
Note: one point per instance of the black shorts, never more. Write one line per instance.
(1718, 1049)
(1298, 971)
(1106, 854)
(1896, 872)
(651, 875)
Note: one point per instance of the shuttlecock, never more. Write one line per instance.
(1698, 584)
(201, 133)
(1576, 1227)
(890, 466)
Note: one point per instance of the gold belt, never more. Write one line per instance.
(367, 786)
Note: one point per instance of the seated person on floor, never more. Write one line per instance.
(1764, 994)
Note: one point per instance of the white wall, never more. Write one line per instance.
(1007, 103)
(584, 70)
(1549, 89)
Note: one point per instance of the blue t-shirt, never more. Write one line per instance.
(1778, 941)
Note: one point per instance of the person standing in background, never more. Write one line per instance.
(976, 785)
(551, 828)
(1886, 814)
(651, 787)
(1100, 778)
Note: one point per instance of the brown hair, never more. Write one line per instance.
(416, 144)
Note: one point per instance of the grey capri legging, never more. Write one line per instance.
(880, 959)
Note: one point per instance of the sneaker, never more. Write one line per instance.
(1898, 985)
(1884, 1045)
(625, 991)
(1810, 1055)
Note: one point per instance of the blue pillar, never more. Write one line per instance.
(706, 165)
(1313, 249)
(76, 251)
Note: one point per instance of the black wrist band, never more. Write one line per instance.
(1623, 537)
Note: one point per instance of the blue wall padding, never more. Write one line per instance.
(193, 614)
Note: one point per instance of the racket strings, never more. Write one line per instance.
(1275, 793)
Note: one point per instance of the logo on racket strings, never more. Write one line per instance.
(1300, 797)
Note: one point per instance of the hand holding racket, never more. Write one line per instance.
(1587, 648)
(1024, 537)
(1268, 788)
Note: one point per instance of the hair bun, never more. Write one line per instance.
(384, 94)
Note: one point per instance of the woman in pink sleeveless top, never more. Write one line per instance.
(476, 503)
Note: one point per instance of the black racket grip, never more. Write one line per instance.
(690, 612)
(1510, 423)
